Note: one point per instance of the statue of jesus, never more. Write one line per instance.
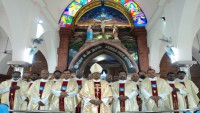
(103, 20)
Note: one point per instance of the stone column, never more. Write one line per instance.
(143, 51)
(185, 66)
(18, 66)
(65, 35)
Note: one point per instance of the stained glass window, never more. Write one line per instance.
(137, 14)
(73, 8)
(83, 2)
(66, 20)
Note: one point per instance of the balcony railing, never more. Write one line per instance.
(195, 110)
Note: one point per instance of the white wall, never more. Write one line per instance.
(19, 21)
(182, 25)
(4, 57)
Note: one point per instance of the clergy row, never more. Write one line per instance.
(98, 96)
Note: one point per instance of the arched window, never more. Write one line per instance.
(133, 8)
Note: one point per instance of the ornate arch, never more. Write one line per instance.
(77, 8)
(104, 45)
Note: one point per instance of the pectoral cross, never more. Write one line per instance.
(98, 87)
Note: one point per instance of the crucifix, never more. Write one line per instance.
(102, 2)
(103, 20)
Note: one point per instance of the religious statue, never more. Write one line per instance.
(103, 20)
(115, 32)
(89, 33)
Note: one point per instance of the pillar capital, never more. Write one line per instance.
(185, 63)
(66, 32)
(18, 65)
(139, 31)
(185, 66)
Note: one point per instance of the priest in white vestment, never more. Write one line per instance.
(13, 91)
(33, 77)
(79, 100)
(176, 99)
(135, 78)
(124, 93)
(191, 99)
(155, 91)
(39, 92)
(64, 92)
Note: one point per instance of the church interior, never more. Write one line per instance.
(129, 35)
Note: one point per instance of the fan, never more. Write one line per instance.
(7, 51)
(166, 40)
(37, 41)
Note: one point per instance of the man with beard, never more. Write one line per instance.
(57, 75)
(191, 99)
(96, 93)
(125, 93)
(13, 92)
(142, 75)
(176, 98)
(39, 92)
(155, 91)
(64, 92)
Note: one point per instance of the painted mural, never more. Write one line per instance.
(110, 15)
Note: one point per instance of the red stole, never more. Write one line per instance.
(154, 89)
(138, 98)
(186, 97)
(174, 98)
(41, 89)
(121, 93)
(61, 100)
(79, 82)
(97, 91)
(78, 107)
(12, 96)
(30, 85)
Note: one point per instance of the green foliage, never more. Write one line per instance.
(75, 45)
(130, 46)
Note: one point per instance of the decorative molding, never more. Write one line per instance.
(185, 63)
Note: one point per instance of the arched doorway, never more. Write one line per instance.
(103, 46)
(109, 62)
(39, 63)
(166, 66)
